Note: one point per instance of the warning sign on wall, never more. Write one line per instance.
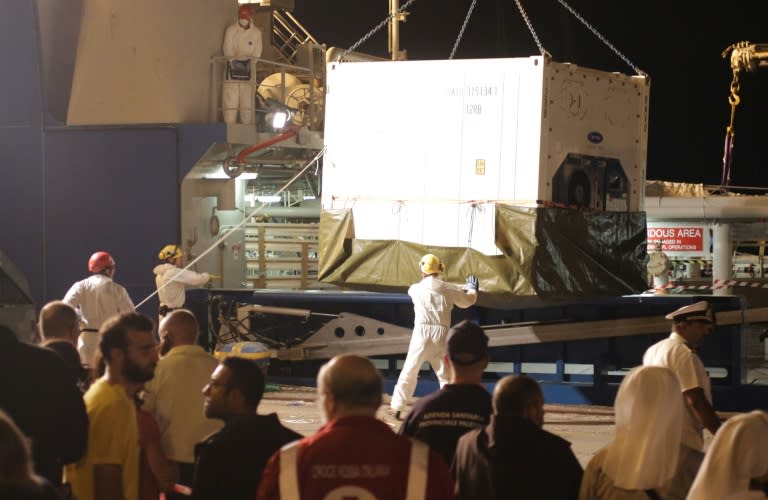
(678, 239)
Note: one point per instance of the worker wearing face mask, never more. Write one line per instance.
(242, 42)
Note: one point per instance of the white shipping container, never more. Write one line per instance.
(422, 150)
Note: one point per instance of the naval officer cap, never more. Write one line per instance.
(699, 311)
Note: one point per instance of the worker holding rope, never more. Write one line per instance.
(172, 280)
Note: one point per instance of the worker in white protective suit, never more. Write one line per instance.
(96, 298)
(433, 300)
(242, 42)
(171, 279)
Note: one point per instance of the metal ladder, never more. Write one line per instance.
(288, 34)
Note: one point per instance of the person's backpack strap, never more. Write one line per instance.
(417, 472)
(289, 479)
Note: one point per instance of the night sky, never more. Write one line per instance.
(679, 44)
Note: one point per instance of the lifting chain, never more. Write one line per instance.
(602, 38)
(730, 131)
(376, 28)
(461, 31)
(542, 50)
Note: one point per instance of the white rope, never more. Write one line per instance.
(235, 228)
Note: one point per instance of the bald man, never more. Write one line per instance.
(59, 327)
(513, 457)
(174, 396)
(354, 455)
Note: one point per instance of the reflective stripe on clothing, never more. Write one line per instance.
(417, 473)
(289, 479)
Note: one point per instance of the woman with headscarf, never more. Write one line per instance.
(642, 457)
(737, 457)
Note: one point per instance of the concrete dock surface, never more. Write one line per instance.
(588, 428)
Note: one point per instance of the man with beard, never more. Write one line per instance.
(110, 467)
(228, 463)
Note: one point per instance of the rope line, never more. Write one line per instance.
(235, 228)
(716, 285)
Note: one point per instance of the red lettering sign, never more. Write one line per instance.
(676, 239)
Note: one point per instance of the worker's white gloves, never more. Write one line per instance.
(473, 283)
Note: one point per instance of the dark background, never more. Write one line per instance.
(679, 44)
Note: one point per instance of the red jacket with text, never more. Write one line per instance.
(356, 457)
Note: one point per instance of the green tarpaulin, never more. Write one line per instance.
(544, 252)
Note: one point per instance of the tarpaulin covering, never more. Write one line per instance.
(545, 252)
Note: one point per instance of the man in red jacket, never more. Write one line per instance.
(354, 455)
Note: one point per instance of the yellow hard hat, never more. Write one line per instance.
(430, 264)
(170, 252)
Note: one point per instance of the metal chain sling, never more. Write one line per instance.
(730, 131)
(376, 28)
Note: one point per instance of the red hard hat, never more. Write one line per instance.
(245, 11)
(100, 261)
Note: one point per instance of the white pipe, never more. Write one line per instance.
(708, 207)
(722, 265)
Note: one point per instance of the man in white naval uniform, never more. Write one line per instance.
(677, 352)
(242, 41)
(172, 280)
(97, 298)
(433, 300)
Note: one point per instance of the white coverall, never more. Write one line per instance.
(98, 298)
(240, 44)
(433, 300)
(173, 295)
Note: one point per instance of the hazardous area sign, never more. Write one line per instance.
(679, 239)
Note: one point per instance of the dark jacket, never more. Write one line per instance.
(71, 357)
(40, 393)
(512, 458)
(441, 418)
(229, 463)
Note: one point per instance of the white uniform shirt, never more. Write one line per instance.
(674, 354)
(176, 399)
(173, 294)
(242, 43)
(434, 298)
(98, 298)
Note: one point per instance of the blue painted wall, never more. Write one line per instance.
(66, 192)
(21, 152)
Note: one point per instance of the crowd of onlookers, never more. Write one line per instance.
(148, 419)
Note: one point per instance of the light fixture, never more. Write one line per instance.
(251, 197)
(278, 118)
(220, 174)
